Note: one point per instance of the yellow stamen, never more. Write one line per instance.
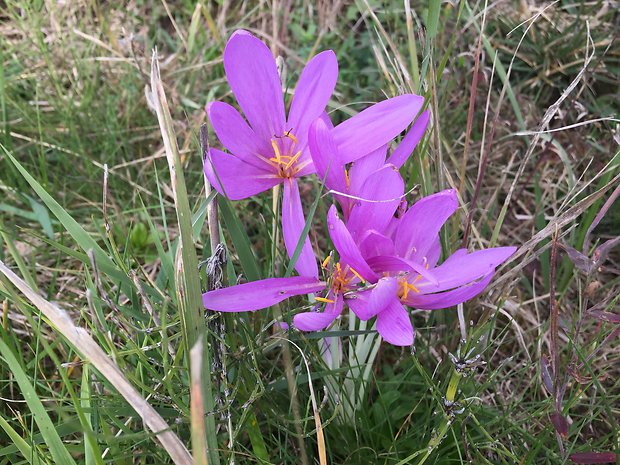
(291, 136)
(293, 159)
(405, 287)
(323, 299)
(276, 150)
(357, 274)
(346, 178)
(326, 261)
(413, 288)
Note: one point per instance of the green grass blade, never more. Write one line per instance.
(23, 447)
(240, 240)
(83, 238)
(59, 452)
(433, 18)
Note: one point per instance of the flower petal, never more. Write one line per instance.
(394, 324)
(391, 263)
(358, 303)
(434, 253)
(374, 243)
(259, 294)
(315, 321)
(381, 296)
(235, 134)
(376, 126)
(293, 223)
(462, 268)
(449, 298)
(346, 247)
(365, 166)
(236, 179)
(381, 195)
(314, 89)
(420, 225)
(253, 76)
(405, 148)
(325, 156)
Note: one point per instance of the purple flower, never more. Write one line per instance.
(407, 258)
(378, 275)
(272, 149)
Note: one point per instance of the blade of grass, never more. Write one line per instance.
(187, 278)
(304, 233)
(59, 452)
(23, 447)
(90, 350)
(240, 240)
(81, 237)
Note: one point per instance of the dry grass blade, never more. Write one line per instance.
(197, 406)
(547, 117)
(90, 350)
(187, 281)
(555, 224)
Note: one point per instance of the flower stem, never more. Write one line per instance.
(292, 389)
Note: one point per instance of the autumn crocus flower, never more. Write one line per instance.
(407, 258)
(272, 148)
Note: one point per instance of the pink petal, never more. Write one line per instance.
(328, 122)
(434, 253)
(376, 126)
(366, 304)
(235, 134)
(380, 297)
(374, 243)
(386, 263)
(394, 324)
(314, 89)
(448, 298)
(236, 179)
(462, 268)
(421, 224)
(358, 303)
(293, 223)
(315, 321)
(255, 295)
(346, 247)
(253, 76)
(364, 167)
(325, 156)
(405, 148)
(381, 195)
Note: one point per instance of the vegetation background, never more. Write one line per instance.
(523, 97)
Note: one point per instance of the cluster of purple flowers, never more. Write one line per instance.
(388, 252)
